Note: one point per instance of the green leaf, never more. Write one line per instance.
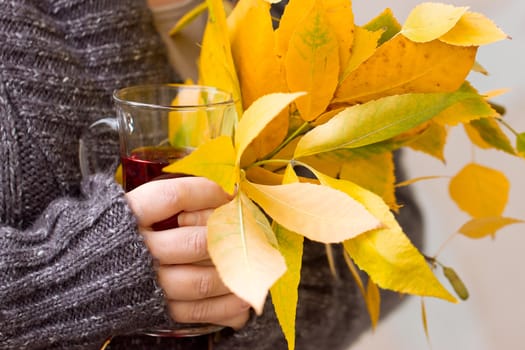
(386, 254)
(214, 160)
(376, 121)
(456, 282)
(318, 212)
(387, 22)
(247, 262)
(520, 144)
(490, 132)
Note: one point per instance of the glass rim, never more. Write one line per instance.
(118, 96)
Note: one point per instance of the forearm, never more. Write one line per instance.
(78, 275)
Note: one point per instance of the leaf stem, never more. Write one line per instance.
(289, 139)
(507, 125)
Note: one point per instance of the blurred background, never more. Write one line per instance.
(492, 269)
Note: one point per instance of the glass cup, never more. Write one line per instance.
(157, 125)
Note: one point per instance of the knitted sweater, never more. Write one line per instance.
(73, 267)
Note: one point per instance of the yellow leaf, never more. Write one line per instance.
(312, 63)
(341, 19)
(473, 29)
(385, 22)
(365, 43)
(293, 14)
(214, 159)
(317, 212)
(480, 191)
(216, 67)
(285, 292)
(424, 319)
(375, 173)
(257, 117)
(386, 254)
(263, 176)
(429, 21)
(252, 38)
(432, 141)
(466, 110)
(485, 226)
(401, 66)
(373, 302)
(247, 262)
(487, 133)
(188, 17)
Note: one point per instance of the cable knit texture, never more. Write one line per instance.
(73, 268)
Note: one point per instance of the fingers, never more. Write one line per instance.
(195, 218)
(227, 310)
(158, 200)
(191, 282)
(183, 245)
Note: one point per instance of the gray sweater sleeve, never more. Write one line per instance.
(80, 273)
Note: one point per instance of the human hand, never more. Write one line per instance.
(189, 279)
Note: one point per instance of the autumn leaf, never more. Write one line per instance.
(432, 141)
(341, 20)
(376, 121)
(386, 254)
(467, 110)
(473, 29)
(285, 292)
(373, 302)
(214, 160)
(365, 44)
(486, 133)
(386, 23)
(216, 66)
(247, 261)
(401, 66)
(480, 191)
(294, 13)
(257, 116)
(375, 173)
(317, 212)
(486, 226)
(312, 63)
(520, 143)
(431, 20)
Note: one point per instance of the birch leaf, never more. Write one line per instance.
(285, 292)
(491, 135)
(373, 302)
(386, 23)
(341, 20)
(375, 173)
(252, 37)
(247, 262)
(466, 111)
(312, 63)
(401, 66)
(216, 67)
(386, 254)
(317, 212)
(473, 29)
(294, 13)
(365, 44)
(486, 226)
(376, 121)
(432, 141)
(258, 115)
(480, 191)
(429, 21)
(214, 160)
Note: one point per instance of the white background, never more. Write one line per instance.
(493, 270)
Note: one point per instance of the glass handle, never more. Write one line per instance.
(84, 156)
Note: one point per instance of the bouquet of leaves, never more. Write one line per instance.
(318, 92)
